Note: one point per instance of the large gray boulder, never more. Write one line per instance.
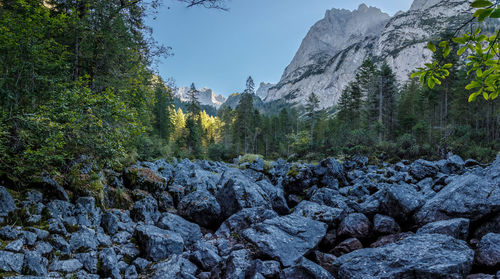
(201, 208)
(238, 193)
(421, 169)
(457, 228)
(157, 244)
(332, 172)
(145, 210)
(175, 266)
(190, 232)
(472, 196)
(355, 225)
(11, 262)
(286, 238)
(244, 219)
(418, 256)
(488, 251)
(7, 203)
(328, 215)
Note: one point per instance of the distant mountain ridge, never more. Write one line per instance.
(337, 45)
(206, 96)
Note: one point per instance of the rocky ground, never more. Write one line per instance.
(254, 220)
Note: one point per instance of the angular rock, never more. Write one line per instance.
(122, 237)
(457, 228)
(7, 203)
(418, 256)
(83, 240)
(244, 219)
(141, 264)
(347, 246)
(238, 265)
(51, 188)
(137, 177)
(488, 251)
(385, 225)
(388, 239)
(421, 169)
(109, 263)
(109, 222)
(190, 232)
(331, 172)
(157, 244)
(87, 214)
(205, 255)
(305, 268)
(328, 215)
(35, 264)
(165, 201)
(238, 193)
(15, 246)
(468, 196)
(324, 260)
(65, 266)
(400, 201)
(145, 210)
(174, 267)
(286, 238)
(11, 262)
(355, 225)
(268, 269)
(331, 198)
(201, 208)
(130, 273)
(89, 261)
(43, 248)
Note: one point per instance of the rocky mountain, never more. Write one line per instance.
(337, 45)
(263, 89)
(206, 96)
(257, 219)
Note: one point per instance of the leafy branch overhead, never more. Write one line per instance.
(482, 56)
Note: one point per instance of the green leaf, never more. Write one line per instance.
(431, 46)
(496, 13)
(461, 51)
(431, 83)
(447, 66)
(485, 96)
(416, 74)
(481, 14)
(481, 4)
(473, 84)
(479, 73)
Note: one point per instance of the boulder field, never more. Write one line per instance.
(256, 220)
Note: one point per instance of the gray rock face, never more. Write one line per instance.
(419, 256)
(268, 269)
(158, 244)
(190, 232)
(7, 203)
(11, 262)
(331, 172)
(336, 46)
(89, 261)
(355, 225)
(488, 250)
(468, 196)
(457, 228)
(206, 96)
(201, 208)
(305, 268)
(286, 238)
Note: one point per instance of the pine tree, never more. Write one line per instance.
(312, 106)
(162, 109)
(250, 86)
(194, 104)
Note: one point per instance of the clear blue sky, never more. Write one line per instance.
(220, 49)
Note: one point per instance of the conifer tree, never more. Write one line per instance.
(312, 106)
